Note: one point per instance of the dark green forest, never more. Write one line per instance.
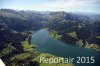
(17, 27)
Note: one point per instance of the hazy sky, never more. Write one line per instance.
(53, 5)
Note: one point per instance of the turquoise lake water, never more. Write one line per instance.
(47, 44)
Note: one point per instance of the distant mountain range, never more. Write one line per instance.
(35, 14)
(59, 21)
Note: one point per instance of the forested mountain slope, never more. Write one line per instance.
(17, 26)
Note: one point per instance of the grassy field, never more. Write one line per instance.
(27, 46)
(54, 35)
(7, 50)
(73, 34)
(93, 46)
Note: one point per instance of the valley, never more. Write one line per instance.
(27, 35)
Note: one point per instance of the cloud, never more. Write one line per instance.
(53, 5)
(69, 4)
(60, 4)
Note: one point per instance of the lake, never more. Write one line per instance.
(47, 44)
